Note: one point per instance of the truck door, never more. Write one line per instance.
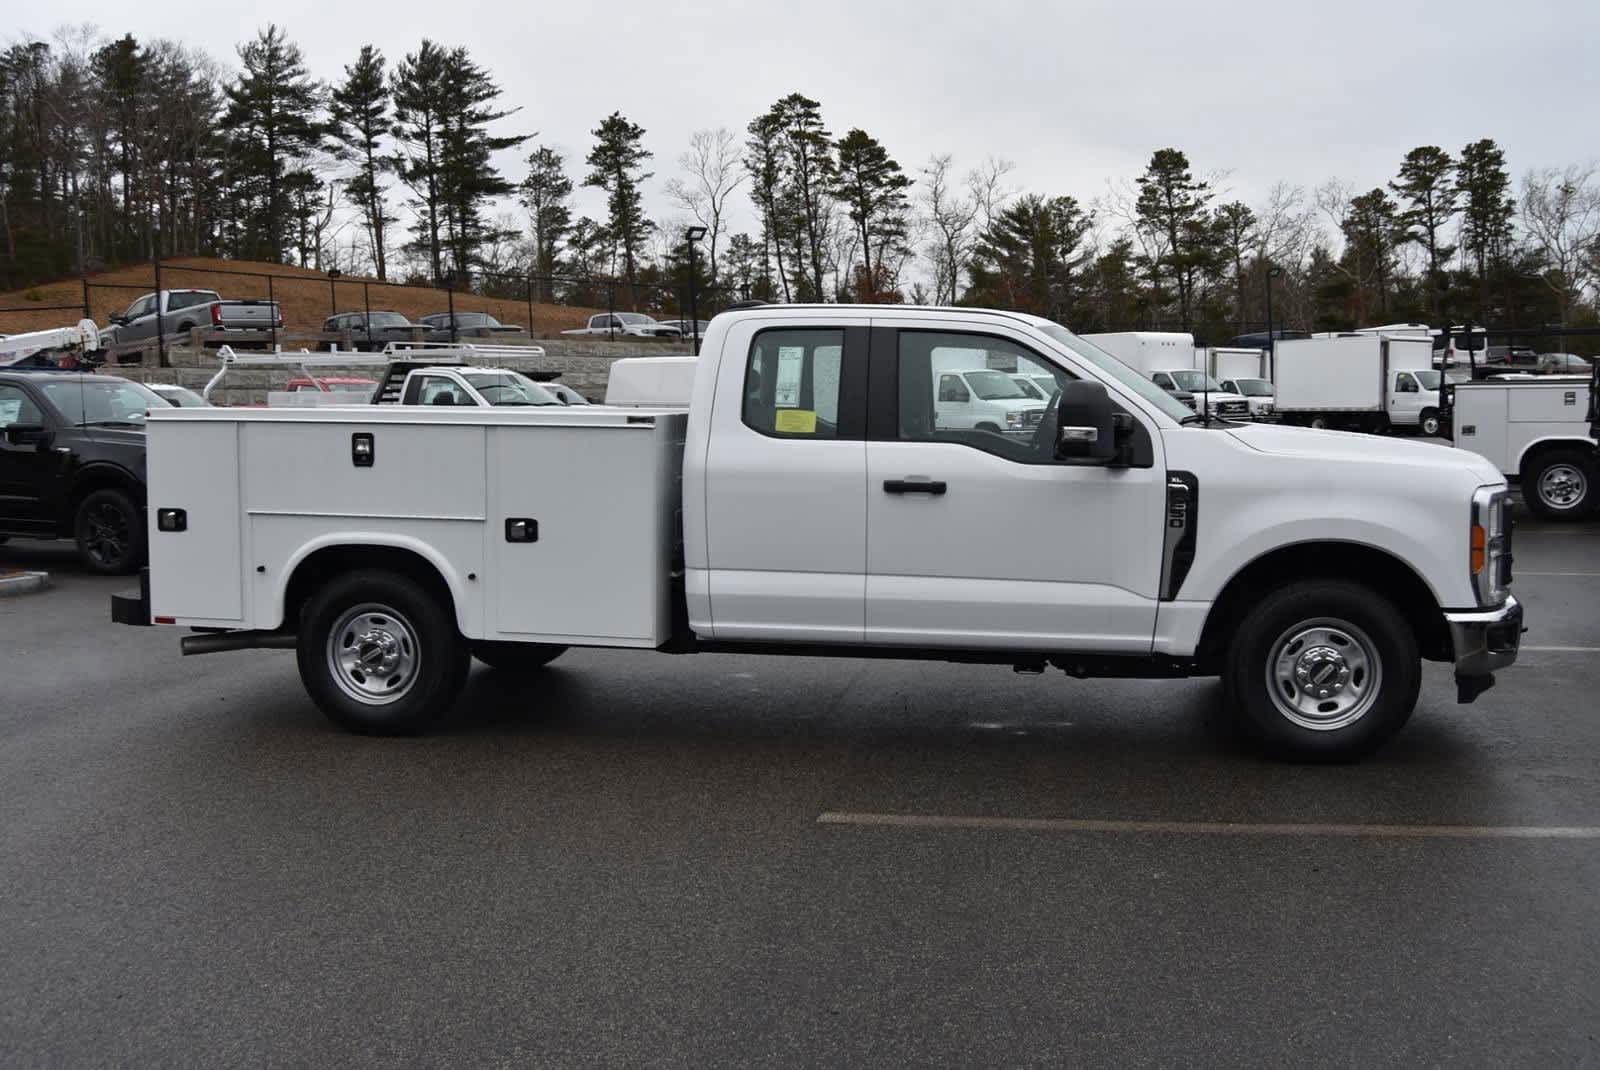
(984, 539)
(785, 483)
(1405, 399)
(27, 466)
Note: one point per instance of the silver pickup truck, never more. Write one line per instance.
(182, 310)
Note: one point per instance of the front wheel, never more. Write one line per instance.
(380, 654)
(1323, 670)
(1429, 424)
(109, 529)
(1559, 485)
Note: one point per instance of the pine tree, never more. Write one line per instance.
(872, 188)
(805, 151)
(616, 163)
(1487, 206)
(360, 113)
(466, 162)
(274, 112)
(1426, 184)
(1172, 206)
(1236, 231)
(763, 161)
(1032, 259)
(419, 88)
(545, 194)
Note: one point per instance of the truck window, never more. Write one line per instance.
(791, 383)
(188, 299)
(959, 388)
(142, 307)
(1405, 384)
(435, 387)
(17, 408)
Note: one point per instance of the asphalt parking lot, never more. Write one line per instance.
(639, 859)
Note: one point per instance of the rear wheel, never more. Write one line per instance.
(380, 654)
(109, 529)
(1323, 670)
(517, 657)
(1559, 484)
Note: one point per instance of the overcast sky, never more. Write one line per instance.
(1075, 92)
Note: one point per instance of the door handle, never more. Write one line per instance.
(914, 486)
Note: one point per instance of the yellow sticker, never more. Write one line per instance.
(795, 422)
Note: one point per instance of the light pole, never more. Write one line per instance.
(691, 238)
(333, 296)
(1273, 271)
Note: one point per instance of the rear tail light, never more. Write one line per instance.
(216, 315)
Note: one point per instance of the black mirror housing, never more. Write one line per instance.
(1086, 424)
(25, 434)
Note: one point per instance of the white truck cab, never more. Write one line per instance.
(985, 399)
(811, 499)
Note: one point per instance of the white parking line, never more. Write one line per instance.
(1213, 828)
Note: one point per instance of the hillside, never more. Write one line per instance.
(302, 293)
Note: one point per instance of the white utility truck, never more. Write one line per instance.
(1358, 381)
(808, 501)
(1172, 362)
(1539, 430)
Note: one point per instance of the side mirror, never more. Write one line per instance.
(25, 434)
(119, 319)
(1086, 424)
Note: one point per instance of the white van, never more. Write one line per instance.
(984, 399)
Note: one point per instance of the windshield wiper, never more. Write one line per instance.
(110, 423)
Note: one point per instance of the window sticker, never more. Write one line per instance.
(795, 422)
(10, 409)
(786, 391)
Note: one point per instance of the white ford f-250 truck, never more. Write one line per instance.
(810, 501)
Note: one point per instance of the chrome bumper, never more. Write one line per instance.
(1484, 640)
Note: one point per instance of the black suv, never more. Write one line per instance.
(72, 463)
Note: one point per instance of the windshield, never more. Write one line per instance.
(634, 317)
(1428, 378)
(1253, 388)
(386, 319)
(510, 388)
(1119, 371)
(1195, 382)
(1029, 388)
(102, 401)
(182, 397)
(994, 386)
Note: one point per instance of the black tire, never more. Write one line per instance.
(1347, 632)
(385, 623)
(517, 657)
(993, 429)
(1429, 423)
(109, 529)
(1320, 423)
(1559, 484)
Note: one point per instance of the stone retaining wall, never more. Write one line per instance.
(584, 364)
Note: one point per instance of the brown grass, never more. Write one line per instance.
(302, 293)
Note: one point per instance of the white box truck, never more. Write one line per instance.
(1361, 382)
(808, 502)
(1169, 360)
(1537, 430)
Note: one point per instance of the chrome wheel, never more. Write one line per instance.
(1324, 674)
(372, 654)
(1430, 426)
(1563, 486)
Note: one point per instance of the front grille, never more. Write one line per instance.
(1032, 417)
(1233, 408)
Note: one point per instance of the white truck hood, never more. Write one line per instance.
(1314, 444)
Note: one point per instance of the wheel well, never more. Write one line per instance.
(321, 565)
(1539, 449)
(102, 478)
(1385, 574)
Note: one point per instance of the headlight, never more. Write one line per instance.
(1489, 547)
(1013, 418)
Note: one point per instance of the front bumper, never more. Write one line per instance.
(1484, 640)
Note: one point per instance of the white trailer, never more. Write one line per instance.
(1365, 382)
(1537, 430)
(1228, 362)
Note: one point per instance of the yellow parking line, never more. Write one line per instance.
(1212, 828)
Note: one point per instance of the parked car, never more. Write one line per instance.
(1563, 364)
(686, 328)
(983, 399)
(455, 385)
(565, 394)
(624, 325)
(802, 504)
(183, 310)
(372, 330)
(468, 325)
(180, 396)
(72, 463)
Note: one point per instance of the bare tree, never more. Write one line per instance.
(712, 164)
(950, 217)
(990, 188)
(1561, 214)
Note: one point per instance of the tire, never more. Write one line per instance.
(517, 657)
(993, 429)
(1307, 629)
(1560, 484)
(379, 654)
(1320, 423)
(109, 529)
(1429, 423)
